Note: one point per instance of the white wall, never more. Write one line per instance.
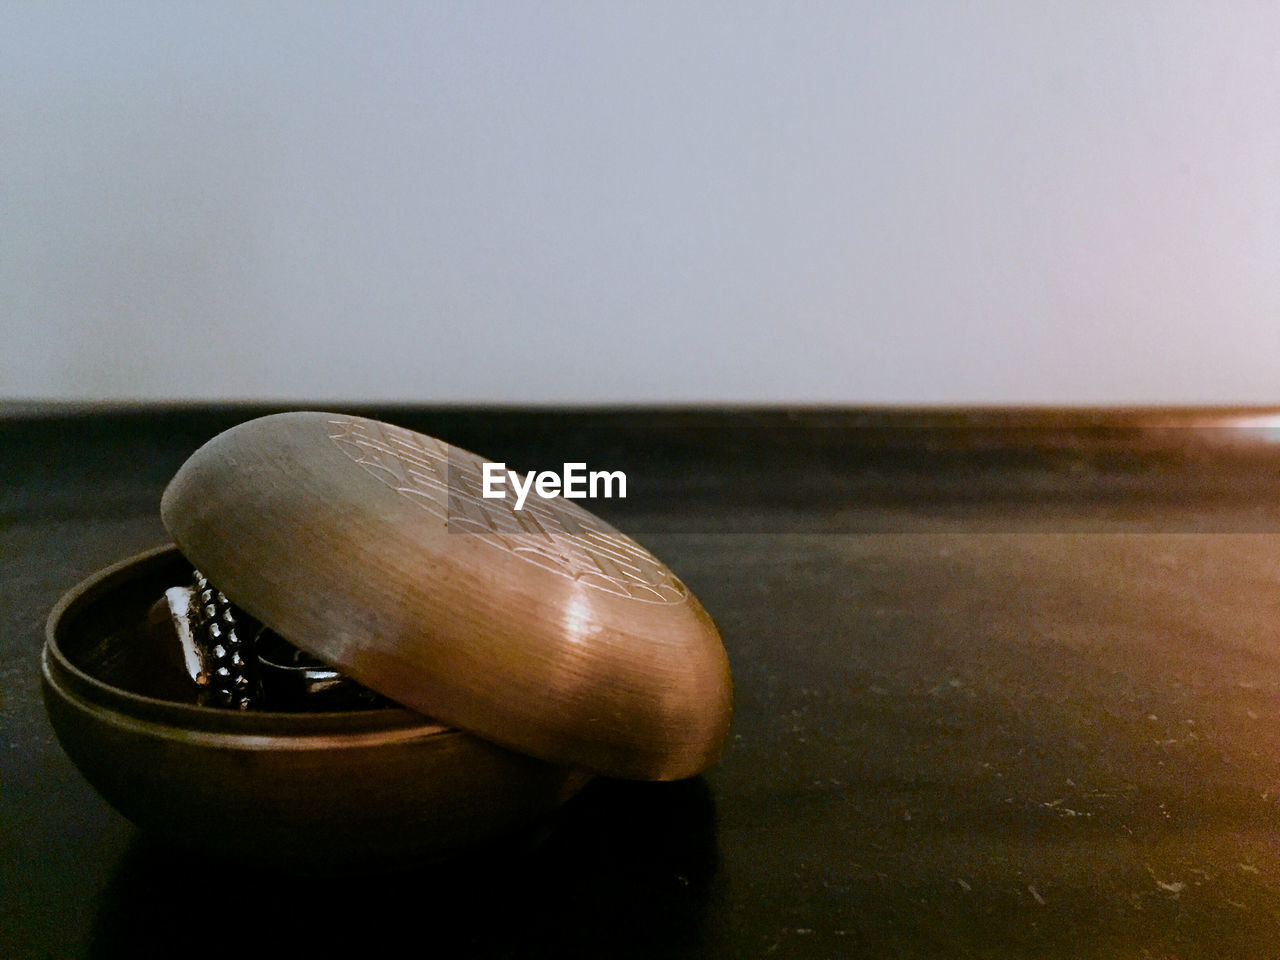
(877, 202)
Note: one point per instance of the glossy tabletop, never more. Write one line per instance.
(1007, 685)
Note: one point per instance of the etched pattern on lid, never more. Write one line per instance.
(556, 535)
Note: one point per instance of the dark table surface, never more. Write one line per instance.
(1007, 686)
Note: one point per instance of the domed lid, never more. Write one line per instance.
(542, 629)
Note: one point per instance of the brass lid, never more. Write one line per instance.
(544, 629)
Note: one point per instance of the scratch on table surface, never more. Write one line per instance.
(1175, 886)
(1057, 807)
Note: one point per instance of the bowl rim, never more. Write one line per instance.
(65, 677)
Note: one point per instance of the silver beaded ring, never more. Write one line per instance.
(238, 663)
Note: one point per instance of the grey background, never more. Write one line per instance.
(591, 202)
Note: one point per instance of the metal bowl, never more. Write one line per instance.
(295, 791)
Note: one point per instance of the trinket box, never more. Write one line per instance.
(351, 656)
